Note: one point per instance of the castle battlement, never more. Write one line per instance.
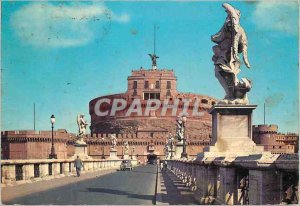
(153, 72)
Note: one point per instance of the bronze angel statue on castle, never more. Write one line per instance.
(231, 40)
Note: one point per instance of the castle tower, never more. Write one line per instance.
(152, 84)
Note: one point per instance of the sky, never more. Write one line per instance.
(61, 55)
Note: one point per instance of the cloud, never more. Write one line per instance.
(279, 16)
(62, 25)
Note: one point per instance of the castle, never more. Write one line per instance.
(144, 116)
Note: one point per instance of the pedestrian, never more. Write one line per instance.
(161, 165)
(78, 165)
(165, 165)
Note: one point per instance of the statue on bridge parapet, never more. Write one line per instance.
(169, 147)
(231, 40)
(80, 144)
(166, 150)
(126, 148)
(82, 128)
(179, 129)
(113, 140)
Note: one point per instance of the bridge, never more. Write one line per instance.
(250, 179)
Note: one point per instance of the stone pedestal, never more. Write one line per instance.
(126, 156)
(178, 150)
(113, 154)
(81, 151)
(232, 131)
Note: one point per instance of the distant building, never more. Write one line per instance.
(277, 143)
(30, 144)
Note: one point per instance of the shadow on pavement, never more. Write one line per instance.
(143, 172)
(119, 192)
(174, 191)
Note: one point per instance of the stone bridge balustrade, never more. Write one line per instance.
(183, 173)
(253, 179)
(25, 171)
(187, 175)
(193, 179)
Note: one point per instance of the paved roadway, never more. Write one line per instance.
(118, 188)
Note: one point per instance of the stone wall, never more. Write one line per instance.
(37, 145)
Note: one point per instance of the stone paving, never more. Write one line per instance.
(12, 192)
(104, 187)
(109, 187)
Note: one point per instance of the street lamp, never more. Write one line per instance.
(103, 148)
(171, 144)
(184, 154)
(52, 155)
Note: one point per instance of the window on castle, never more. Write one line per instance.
(148, 95)
(157, 85)
(146, 85)
(168, 84)
(134, 84)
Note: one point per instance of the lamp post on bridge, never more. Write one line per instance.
(184, 154)
(52, 154)
(171, 142)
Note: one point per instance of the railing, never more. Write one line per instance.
(23, 171)
(254, 179)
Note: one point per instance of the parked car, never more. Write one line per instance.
(125, 165)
